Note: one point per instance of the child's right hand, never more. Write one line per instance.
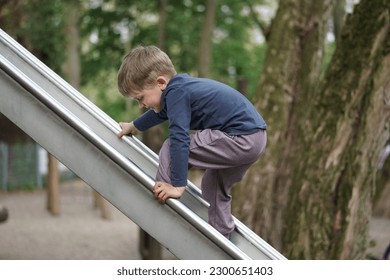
(127, 128)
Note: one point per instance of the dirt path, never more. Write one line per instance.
(31, 232)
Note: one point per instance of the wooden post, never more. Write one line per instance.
(53, 189)
(4, 153)
(149, 248)
(103, 205)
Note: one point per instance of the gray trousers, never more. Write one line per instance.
(225, 160)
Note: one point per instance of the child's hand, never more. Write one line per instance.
(127, 128)
(162, 191)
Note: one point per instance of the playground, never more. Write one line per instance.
(76, 131)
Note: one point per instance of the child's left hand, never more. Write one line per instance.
(162, 191)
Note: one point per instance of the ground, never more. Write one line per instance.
(80, 233)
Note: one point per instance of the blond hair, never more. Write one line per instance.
(141, 67)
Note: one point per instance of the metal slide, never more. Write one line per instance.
(83, 138)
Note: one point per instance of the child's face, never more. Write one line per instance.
(151, 97)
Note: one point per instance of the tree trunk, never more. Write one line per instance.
(11, 17)
(291, 73)
(72, 66)
(163, 9)
(381, 206)
(338, 18)
(205, 45)
(331, 195)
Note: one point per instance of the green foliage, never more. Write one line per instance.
(102, 93)
(235, 54)
(183, 33)
(102, 27)
(111, 28)
(43, 30)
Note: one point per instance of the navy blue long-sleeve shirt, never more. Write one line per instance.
(195, 104)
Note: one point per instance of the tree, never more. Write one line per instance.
(324, 135)
(72, 67)
(333, 184)
(338, 17)
(290, 74)
(11, 16)
(205, 45)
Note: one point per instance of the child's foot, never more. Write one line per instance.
(228, 236)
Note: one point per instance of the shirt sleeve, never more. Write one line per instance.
(148, 120)
(179, 115)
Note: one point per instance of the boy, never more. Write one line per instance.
(229, 135)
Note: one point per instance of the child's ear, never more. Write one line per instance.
(162, 82)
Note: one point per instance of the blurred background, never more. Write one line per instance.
(318, 71)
